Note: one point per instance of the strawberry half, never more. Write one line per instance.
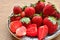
(17, 9)
(29, 11)
(51, 23)
(42, 32)
(14, 25)
(37, 20)
(32, 30)
(21, 31)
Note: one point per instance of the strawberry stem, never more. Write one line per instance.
(24, 8)
(42, 0)
(32, 5)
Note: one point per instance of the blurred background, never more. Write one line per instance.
(6, 7)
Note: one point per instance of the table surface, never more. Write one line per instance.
(6, 7)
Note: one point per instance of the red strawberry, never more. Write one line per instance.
(14, 25)
(17, 9)
(18, 18)
(37, 20)
(48, 10)
(21, 31)
(26, 25)
(32, 30)
(22, 14)
(42, 32)
(29, 11)
(51, 23)
(39, 6)
(56, 14)
(15, 18)
(12, 18)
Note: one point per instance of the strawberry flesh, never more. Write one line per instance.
(32, 30)
(14, 25)
(42, 32)
(21, 31)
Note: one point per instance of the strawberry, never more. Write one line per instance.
(37, 20)
(22, 14)
(26, 21)
(15, 18)
(29, 11)
(48, 10)
(14, 25)
(12, 18)
(56, 14)
(51, 23)
(18, 18)
(17, 9)
(39, 7)
(42, 32)
(32, 30)
(26, 25)
(21, 31)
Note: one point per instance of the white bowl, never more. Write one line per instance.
(29, 38)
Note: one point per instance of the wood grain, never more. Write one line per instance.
(6, 7)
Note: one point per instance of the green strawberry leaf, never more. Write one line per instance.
(42, 0)
(17, 15)
(24, 8)
(53, 20)
(36, 15)
(40, 14)
(25, 20)
(32, 5)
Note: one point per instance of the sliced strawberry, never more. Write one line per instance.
(32, 30)
(42, 32)
(29, 11)
(37, 20)
(21, 31)
(17, 9)
(14, 25)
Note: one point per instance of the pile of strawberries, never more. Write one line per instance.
(37, 20)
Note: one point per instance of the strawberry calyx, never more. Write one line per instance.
(36, 15)
(52, 19)
(17, 15)
(40, 14)
(24, 8)
(25, 20)
(42, 0)
(32, 5)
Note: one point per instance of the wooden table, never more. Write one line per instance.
(6, 7)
